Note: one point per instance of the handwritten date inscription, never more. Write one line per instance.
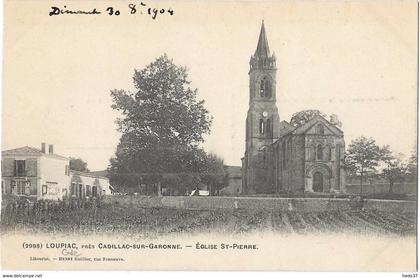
(132, 8)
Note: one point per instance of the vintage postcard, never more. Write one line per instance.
(209, 135)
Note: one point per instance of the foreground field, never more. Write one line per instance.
(99, 218)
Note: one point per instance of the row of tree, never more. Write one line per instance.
(163, 123)
(364, 158)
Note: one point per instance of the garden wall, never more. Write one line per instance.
(258, 203)
(409, 188)
(390, 205)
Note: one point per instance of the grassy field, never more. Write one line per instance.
(99, 218)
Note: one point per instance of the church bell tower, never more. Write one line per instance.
(262, 122)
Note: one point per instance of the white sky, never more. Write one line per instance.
(353, 59)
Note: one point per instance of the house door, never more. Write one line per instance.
(80, 191)
(318, 182)
(94, 191)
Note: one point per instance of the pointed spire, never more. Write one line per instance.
(262, 48)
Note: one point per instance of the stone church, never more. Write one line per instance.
(279, 157)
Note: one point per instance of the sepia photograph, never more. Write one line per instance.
(210, 135)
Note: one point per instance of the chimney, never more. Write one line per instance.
(50, 148)
(43, 150)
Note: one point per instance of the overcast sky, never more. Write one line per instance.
(355, 60)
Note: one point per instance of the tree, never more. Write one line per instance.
(78, 164)
(395, 170)
(412, 166)
(162, 124)
(362, 157)
(213, 174)
(302, 117)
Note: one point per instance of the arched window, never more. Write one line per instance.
(329, 153)
(268, 126)
(319, 152)
(265, 88)
(320, 129)
(262, 126)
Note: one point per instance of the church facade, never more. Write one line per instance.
(280, 157)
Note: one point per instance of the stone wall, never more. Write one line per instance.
(257, 203)
(409, 188)
(391, 205)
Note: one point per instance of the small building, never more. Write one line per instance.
(32, 172)
(233, 181)
(42, 174)
(87, 185)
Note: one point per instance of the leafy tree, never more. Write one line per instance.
(213, 174)
(395, 170)
(302, 117)
(162, 124)
(412, 166)
(78, 164)
(362, 157)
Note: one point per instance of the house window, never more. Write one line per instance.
(20, 168)
(87, 190)
(319, 152)
(27, 188)
(66, 170)
(44, 189)
(21, 187)
(13, 187)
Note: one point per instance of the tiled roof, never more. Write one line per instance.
(304, 127)
(87, 174)
(102, 173)
(30, 151)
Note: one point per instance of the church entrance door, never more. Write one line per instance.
(318, 182)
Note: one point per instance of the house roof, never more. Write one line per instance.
(87, 174)
(233, 171)
(30, 151)
(102, 173)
